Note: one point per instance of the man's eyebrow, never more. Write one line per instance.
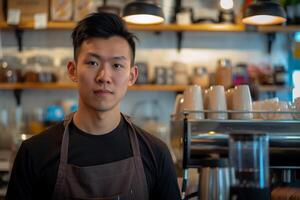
(113, 58)
(119, 58)
(94, 55)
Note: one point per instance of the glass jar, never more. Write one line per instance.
(200, 77)
(8, 73)
(180, 73)
(224, 73)
(240, 76)
(40, 69)
(279, 75)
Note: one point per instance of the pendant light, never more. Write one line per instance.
(264, 12)
(143, 12)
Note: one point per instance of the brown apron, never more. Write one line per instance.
(120, 180)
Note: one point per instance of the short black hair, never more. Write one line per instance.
(103, 25)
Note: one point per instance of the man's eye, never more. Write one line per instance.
(92, 63)
(117, 66)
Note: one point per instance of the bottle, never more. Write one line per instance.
(201, 77)
(297, 11)
(224, 73)
(290, 7)
(279, 75)
(240, 74)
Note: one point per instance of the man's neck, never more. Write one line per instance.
(96, 123)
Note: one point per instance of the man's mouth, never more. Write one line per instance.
(102, 92)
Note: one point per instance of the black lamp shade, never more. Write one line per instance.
(142, 13)
(264, 13)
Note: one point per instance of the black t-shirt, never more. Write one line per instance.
(35, 169)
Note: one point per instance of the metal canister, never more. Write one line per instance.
(214, 179)
(143, 73)
(160, 75)
(169, 76)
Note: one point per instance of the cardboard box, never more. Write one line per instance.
(61, 10)
(28, 8)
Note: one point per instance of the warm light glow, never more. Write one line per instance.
(23, 137)
(182, 100)
(226, 4)
(263, 20)
(211, 132)
(143, 19)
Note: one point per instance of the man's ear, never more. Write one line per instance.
(133, 75)
(72, 71)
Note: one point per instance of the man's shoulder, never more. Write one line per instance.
(150, 142)
(48, 138)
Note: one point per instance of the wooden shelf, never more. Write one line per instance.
(46, 86)
(167, 27)
(30, 25)
(136, 87)
(191, 27)
(15, 86)
(161, 27)
(274, 88)
(177, 88)
(287, 29)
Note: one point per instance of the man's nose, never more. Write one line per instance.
(103, 74)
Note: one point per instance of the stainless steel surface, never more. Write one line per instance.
(246, 126)
(193, 141)
(287, 175)
(214, 183)
(210, 137)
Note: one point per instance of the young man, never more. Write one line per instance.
(96, 153)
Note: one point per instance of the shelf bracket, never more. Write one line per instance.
(270, 40)
(179, 36)
(19, 36)
(17, 94)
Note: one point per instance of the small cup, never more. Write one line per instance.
(257, 106)
(215, 100)
(277, 106)
(242, 101)
(193, 101)
(269, 105)
(285, 107)
(178, 107)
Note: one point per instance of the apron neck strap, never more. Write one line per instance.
(65, 140)
(133, 137)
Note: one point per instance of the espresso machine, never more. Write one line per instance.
(237, 159)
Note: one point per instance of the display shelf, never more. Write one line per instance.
(274, 88)
(167, 27)
(160, 27)
(190, 27)
(46, 86)
(178, 88)
(289, 28)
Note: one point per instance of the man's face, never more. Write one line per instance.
(103, 72)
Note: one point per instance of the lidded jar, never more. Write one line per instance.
(200, 77)
(224, 73)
